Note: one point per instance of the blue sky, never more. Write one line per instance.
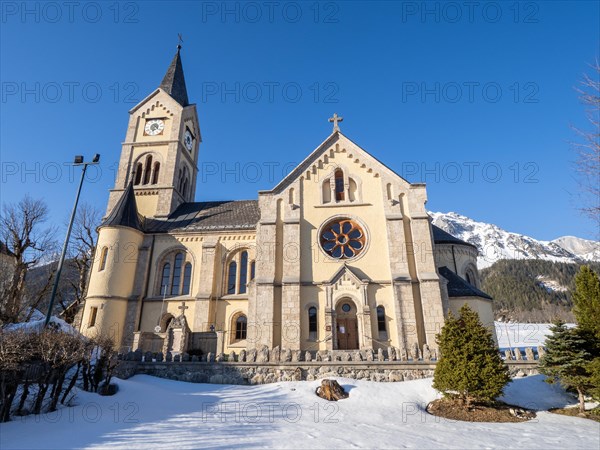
(475, 99)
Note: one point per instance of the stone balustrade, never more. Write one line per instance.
(259, 366)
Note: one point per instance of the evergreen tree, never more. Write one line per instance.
(567, 359)
(587, 300)
(594, 368)
(470, 366)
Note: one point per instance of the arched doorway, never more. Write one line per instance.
(346, 325)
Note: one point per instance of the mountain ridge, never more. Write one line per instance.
(495, 244)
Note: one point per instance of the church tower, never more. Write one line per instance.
(160, 152)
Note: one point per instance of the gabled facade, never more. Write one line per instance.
(340, 254)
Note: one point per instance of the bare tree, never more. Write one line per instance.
(21, 228)
(588, 149)
(81, 255)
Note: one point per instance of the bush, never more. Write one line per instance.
(44, 367)
(470, 367)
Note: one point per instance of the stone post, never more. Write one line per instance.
(220, 342)
(208, 264)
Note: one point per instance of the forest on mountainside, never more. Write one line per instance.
(531, 290)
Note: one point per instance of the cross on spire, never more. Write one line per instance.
(180, 40)
(335, 119)
(183, 308)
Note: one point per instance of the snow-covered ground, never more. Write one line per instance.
(151, 412)
(521, 334)
(36, 324)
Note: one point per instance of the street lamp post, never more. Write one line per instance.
(77, 162)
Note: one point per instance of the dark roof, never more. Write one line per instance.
(235, 214)
(174, 81)
(458, 287)
(442, 237)
(223, 215)
(125, 213)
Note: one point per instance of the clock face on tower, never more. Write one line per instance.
(154, 127)
(188, 140)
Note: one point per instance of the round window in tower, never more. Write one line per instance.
(342, 238)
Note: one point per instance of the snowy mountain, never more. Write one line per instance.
(494, 243)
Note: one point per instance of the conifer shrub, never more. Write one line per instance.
(567, 360)
(470, 367)
(586, 299)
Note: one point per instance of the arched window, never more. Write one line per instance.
(172, 280)
(166, 275)
(155, 172)
(339, 185)
(241, 328)
(103, 257)
(236, 273)
(147, 169)
(187, 277)
(232, 277)
(243, 272)
(381, 322)
(177, 274)
(312, 323)
(139, 171)
(470, 276)
(252, 270)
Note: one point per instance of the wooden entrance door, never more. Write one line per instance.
(347, 333)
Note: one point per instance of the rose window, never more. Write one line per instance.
(342, 239)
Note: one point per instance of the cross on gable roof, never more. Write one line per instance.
(344, 142)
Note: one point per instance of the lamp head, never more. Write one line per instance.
(78, 159)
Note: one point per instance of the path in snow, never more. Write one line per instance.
(150, 412)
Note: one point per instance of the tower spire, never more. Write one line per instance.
(125, 213)
(173, 82)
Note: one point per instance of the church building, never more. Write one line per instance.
(339, 255)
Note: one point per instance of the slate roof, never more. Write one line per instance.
(442, 237)
(125, 213)
(235, 215)
(174, 81)
(199, 216)
(458, 287)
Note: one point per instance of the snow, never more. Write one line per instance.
(495, 244)
(36, 324)
(521, 335)
(550, 285)
(585, 248)
(150, 412)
